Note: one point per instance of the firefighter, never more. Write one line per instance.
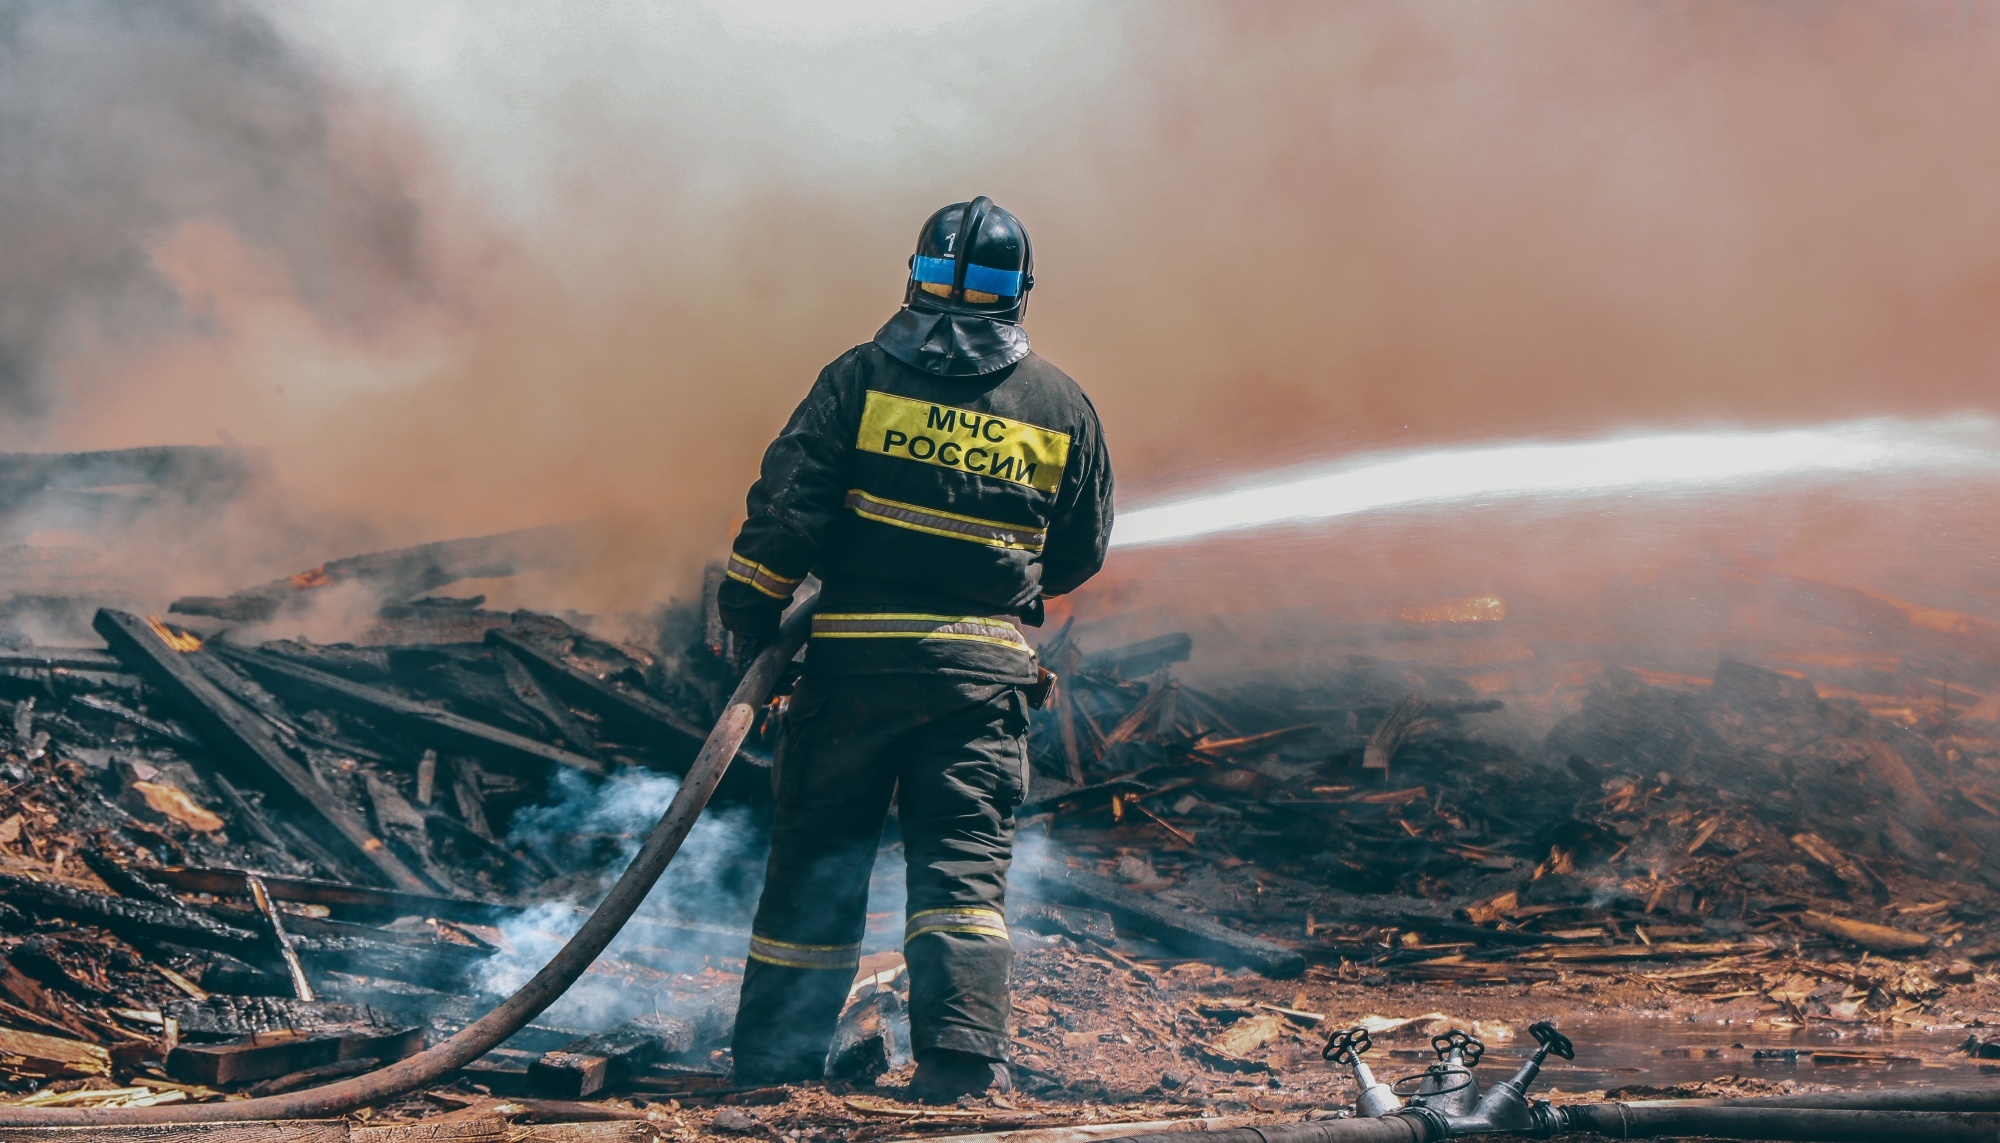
(941, 481)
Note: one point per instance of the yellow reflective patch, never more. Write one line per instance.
(961, 439)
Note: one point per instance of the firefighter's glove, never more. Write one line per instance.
(744, 649)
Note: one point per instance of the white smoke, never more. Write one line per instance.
(713, 880)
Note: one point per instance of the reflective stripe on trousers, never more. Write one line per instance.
(970, 919)
(787, 954)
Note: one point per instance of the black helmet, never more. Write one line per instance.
(972, 258)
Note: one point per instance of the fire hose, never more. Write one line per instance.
(548, 985)
(1628, 1121)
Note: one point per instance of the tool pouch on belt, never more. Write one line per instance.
(1038, 691)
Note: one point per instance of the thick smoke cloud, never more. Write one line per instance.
(504, 263)
(122, 121)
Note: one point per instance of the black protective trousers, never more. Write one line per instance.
(952, 754)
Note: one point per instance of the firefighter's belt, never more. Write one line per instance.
(911, 625)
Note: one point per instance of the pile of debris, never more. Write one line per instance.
(229, 868)
(1373, 827)
(232, 866)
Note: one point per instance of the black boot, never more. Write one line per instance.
(943, 1076)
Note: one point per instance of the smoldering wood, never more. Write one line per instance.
(1177, 929)
(60, 659)
(139, 921)
(598, 1131)
(158, 728)
(440, 727)
(361, 901)
(1137, 660)
(34, 1000)
(246, 742)
(225, 1017)
(312, 1077)
(471, 799)
(401, 822)
(535, 698)
(1062, 920)
(281, 1053)
(397, 574)
(588, 1065)
(650, 722)
(864, 1040)
(301, 987)
(128, 882)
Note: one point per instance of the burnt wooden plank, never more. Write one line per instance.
(62, 659)
(358, 899)
(1177, 929)
(439, 726)
(588, 1065)
(275, 1054)
(651, 722)
(135, 920)
(531, 693)
(397, 574)
(247, 743)
(51, 1057)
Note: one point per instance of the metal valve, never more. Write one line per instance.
(1449, 1087)
(1346, 1047)
(1505, 1107)
(1459, 1041)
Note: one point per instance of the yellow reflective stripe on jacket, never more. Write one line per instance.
(970, 919)
(760, 577)
(963, 440)
(787, 954)
(950, 525)
(911, 625)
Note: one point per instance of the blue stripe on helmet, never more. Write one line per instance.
(985, 279)
(934, 270)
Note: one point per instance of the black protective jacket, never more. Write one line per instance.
(936, 507)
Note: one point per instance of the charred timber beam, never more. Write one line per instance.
(1177, 929)
(280, 1054)
(437, 726)
(125, 882)
(62, 659)
(246, 742)
(301, 987)
(143, 921)
(396, 575)
(1137, 660)
(652, 722)
(354, 898)
(589, 1065)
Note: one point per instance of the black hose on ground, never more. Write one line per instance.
(548, 985)
(1983, 1097)
(1641, 1121)
(1631, 1121)
(1386, 1129)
